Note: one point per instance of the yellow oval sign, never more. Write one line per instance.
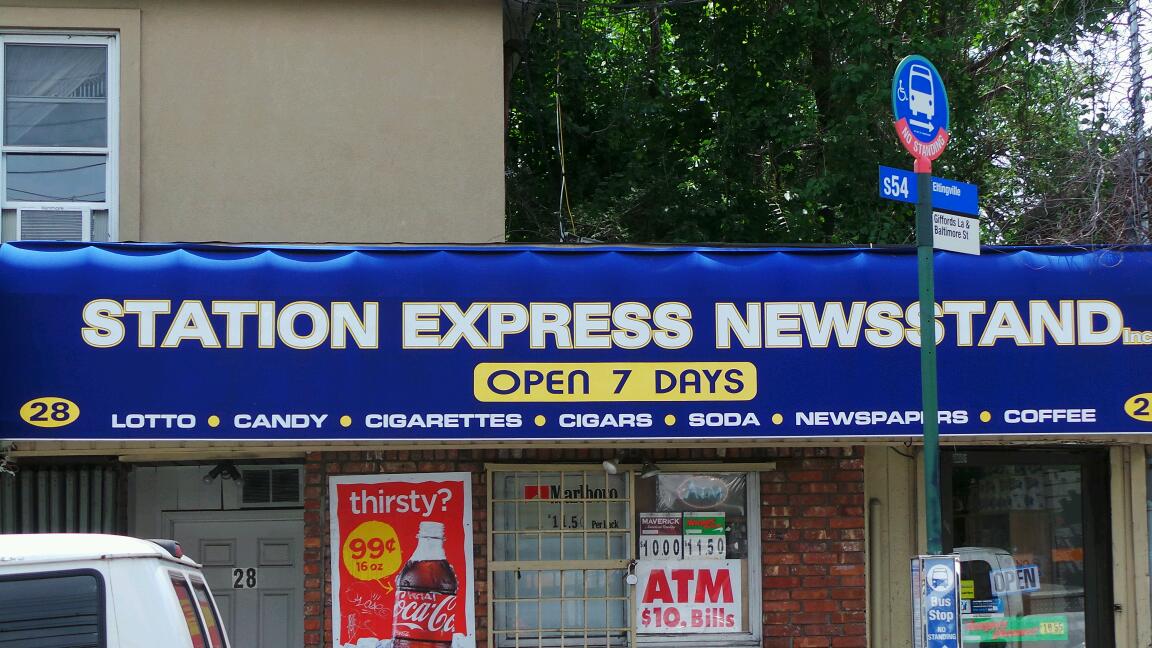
(50, 412)
(1139, 407)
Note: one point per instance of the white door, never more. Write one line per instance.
(253, 561)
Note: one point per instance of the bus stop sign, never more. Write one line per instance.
(920, 106)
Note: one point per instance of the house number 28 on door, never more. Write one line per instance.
(244, 578)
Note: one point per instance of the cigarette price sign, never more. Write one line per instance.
(704, 535)
(661, 536)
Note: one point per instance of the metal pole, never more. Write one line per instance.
(928, 394)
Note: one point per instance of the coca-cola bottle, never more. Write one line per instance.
(425, 611)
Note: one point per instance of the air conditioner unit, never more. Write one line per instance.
(53, 224)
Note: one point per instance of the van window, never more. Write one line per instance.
(187, 604)
(52, 611)
(980, 573)
(208, 613)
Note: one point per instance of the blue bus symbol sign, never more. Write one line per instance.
(921, 98)
(920, 107)
(939, 606)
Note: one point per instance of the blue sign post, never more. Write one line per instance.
(936, 602)
(920, 106)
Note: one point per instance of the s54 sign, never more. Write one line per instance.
(688, 596)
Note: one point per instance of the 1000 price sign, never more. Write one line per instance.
(662, 547)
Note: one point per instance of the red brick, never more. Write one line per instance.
(821, 606)
(855, 522)
(809, 476)
(808, 594)
(781, 559)
(855, 629)
(781, 582)
(821, 583)
(848, 617)
(816, 523)
(845, 593)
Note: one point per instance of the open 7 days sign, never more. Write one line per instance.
(696, 596)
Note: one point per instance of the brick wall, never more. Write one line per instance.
(812, 528)
(812, 533)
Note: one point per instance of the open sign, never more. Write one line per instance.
(1024, 578)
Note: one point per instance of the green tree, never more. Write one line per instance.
(760, 121)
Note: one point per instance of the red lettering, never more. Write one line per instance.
(683, 578)
(714, 591)
(658, 589)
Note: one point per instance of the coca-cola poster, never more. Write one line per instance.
(402, 561)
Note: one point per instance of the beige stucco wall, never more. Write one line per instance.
(324, 121)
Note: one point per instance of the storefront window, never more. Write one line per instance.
(580, 557)
(693, 569)
(559, 561)
(1027, 530)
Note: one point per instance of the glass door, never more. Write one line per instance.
(1032, 528)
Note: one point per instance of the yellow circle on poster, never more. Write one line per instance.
(371, 551)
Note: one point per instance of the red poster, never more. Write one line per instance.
(402, 561)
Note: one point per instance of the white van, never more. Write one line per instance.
(78, 590)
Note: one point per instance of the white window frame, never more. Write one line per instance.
(753, 635)
(111, 202)
(753, 591)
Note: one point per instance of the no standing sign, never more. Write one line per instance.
(920, 106)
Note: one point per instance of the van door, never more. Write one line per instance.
(1033, 531)
(253, 562)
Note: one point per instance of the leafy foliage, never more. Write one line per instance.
(764, 121)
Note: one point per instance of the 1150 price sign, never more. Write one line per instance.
(706, 547)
